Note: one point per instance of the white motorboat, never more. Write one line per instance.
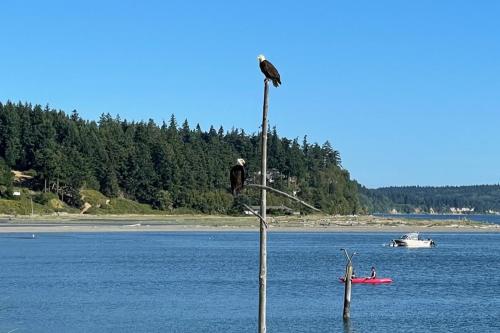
(412, 239)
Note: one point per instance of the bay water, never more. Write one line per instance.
(208, 282)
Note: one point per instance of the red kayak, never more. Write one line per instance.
(368, 280)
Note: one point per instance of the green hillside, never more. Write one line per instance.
(144, 167)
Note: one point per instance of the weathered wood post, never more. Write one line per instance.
(263, 224)
(347, 284)
(347, 292)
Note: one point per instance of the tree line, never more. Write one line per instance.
(168, 166)
(410, 199)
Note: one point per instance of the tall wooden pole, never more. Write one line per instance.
(263, 226)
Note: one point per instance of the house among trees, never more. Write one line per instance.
(272, 175)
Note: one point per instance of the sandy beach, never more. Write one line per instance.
(203, 223)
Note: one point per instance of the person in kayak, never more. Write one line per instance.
(373, 275)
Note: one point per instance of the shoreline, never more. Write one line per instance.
(212, 223)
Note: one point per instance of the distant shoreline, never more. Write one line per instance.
(211, 223)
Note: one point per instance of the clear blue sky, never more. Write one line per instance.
(407, 91)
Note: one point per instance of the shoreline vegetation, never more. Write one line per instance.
(57, 162)
(65, 163)
(174, 223)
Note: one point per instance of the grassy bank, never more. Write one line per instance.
(38, 203)
(38, 209)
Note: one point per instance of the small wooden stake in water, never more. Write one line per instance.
(347, 284)
(263, 224)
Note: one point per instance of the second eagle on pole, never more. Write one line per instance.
(237, 176)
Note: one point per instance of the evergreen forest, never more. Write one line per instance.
(168, 166)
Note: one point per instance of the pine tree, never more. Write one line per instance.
(167, 167)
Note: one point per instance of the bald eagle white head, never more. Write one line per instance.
(269, 70)
(237, 176)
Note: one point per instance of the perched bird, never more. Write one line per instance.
(269, 70)
(237, 176)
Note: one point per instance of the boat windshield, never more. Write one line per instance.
(412, 235)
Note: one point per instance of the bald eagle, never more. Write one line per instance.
(237, 176)
(269, 70)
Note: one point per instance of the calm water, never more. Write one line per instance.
(207, 282)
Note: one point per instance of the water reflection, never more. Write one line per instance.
(348, 327)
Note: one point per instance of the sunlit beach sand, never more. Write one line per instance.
(314, 223)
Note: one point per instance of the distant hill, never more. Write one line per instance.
(172, 168)
(169, 167)
(446, 199)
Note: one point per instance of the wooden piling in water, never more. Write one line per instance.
(263, 224)
(347, 291)
(347, 285)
